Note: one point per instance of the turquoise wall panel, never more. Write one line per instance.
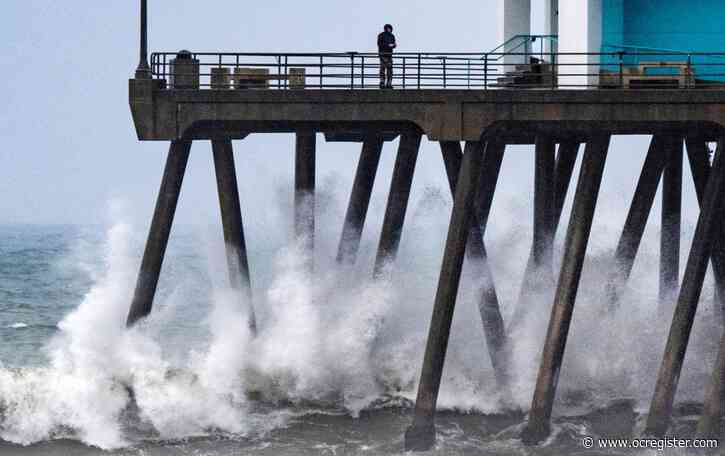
(677, 25)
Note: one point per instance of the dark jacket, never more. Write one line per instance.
(386, 43)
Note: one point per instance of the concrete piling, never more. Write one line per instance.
(489, 308)
(671, 221)
(421, 435)
(699, 159)
(233, 227)
(708, 226)
(158, 238)
(305, 154)
(564, 168)
(709, 425)
(577, 239)
(357, 208)
(634, 226)
(544, 188)
(397, 201)
(565, 162)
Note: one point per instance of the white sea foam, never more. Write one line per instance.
(340, 339)
(17, 326)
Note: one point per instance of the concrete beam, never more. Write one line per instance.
(577, 239)
(708, 227)
(305, 160)
(397, 201)
(357, 209)
(445, 115)
(421, 435)
(231, 214)
(158, 238)
(634, 226)
(489, 308)
(699, 158)
(671, 222)
(544, 195)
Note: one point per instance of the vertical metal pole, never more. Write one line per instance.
(634, 226)
(232, 225)
(357, 208)
(397, 201)
(421, 435)
(708, 226)
(158, 238)
(562, 310)
(143, 71)
(305, 152)
(671, 222)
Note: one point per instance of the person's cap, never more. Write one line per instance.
(388, 26)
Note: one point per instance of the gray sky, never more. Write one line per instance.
(68, 144)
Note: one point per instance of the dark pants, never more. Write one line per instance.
(386, 70)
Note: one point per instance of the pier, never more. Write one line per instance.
(474, 106)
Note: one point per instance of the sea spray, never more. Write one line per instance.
(340, 342)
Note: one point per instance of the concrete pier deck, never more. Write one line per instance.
(515, 116)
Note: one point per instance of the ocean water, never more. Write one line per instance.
(335, 366)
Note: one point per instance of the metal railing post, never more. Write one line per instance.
(362, 72)
(279, 72)
(485, 72)
(621, 69)
(468, 78)
(352, 71)
(321, 63)
(404, 75)
(445, 76)
(419, 71)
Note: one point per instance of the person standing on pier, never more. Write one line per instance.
(386, 44)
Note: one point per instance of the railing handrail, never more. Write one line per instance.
(531, 38)
(422, 70)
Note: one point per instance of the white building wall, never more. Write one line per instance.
(580, 31)
(551, 23)
(514, 19)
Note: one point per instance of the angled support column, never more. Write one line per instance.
(709, 425)
(708, 227)
(231, 212)
(305, 152)
(489, 309)
(699, 157)
(421, 435)
(671, 221)
(357, 208)
(577, 238)
(397, 201)
(565, 162)
(158, 238)
(634, 226)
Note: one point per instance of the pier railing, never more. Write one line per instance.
(463, 71)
